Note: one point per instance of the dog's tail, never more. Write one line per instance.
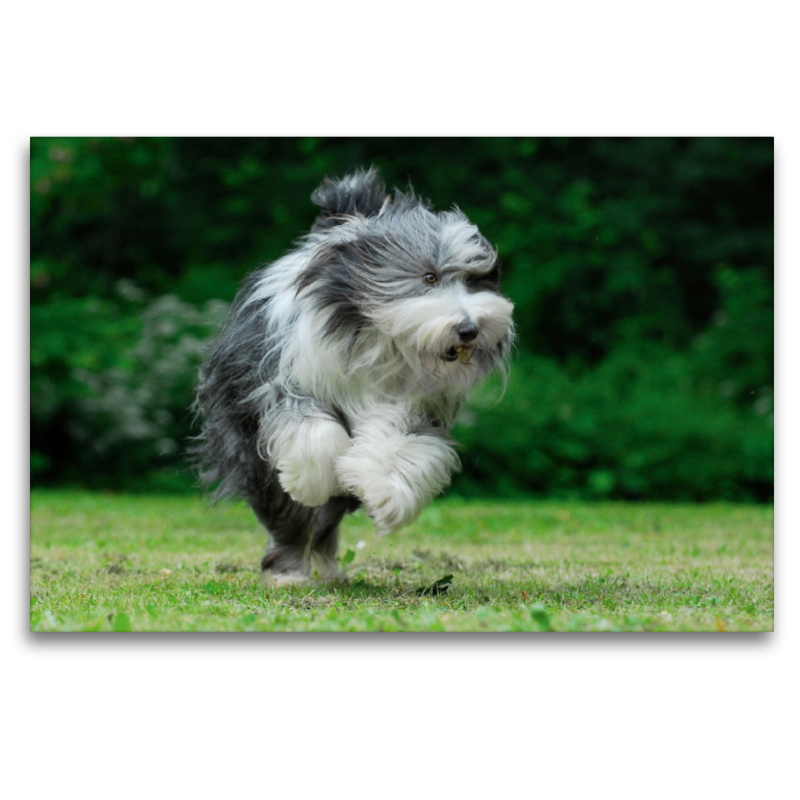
(363, 193)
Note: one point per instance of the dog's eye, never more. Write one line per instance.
(430, 277)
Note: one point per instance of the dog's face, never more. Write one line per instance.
(426, 282)
(441, 303)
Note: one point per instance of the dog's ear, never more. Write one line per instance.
(363, 193)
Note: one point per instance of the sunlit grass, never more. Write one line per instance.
(102, 562)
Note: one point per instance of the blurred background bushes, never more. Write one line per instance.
(641, 270)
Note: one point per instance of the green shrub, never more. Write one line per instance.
(641, 272)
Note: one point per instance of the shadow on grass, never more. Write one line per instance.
(327, 593)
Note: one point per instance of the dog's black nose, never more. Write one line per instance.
(467, 331)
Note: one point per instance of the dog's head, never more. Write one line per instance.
(426, 282)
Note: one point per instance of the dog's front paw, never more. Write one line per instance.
(388, 500)
(391, 506)
(305, 456)
(294, 480)
(395, 474)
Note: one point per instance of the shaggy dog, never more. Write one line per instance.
(341, 366)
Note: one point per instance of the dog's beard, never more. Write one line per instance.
(425, 330)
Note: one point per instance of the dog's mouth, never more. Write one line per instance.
(461, 352)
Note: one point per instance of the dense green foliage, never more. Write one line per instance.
(641, 270)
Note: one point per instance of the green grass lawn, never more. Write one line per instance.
(105, 562)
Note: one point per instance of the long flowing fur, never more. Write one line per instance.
(340, 368)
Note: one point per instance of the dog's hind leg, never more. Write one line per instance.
(326, 536)
(302, 540)
(290, 525)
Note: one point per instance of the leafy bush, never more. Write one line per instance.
(641, 271)
(636, 427)
(122, 404)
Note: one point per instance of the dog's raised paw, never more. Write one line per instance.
(395, 474)
(390, 505)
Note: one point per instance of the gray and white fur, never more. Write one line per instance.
(337, 375)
